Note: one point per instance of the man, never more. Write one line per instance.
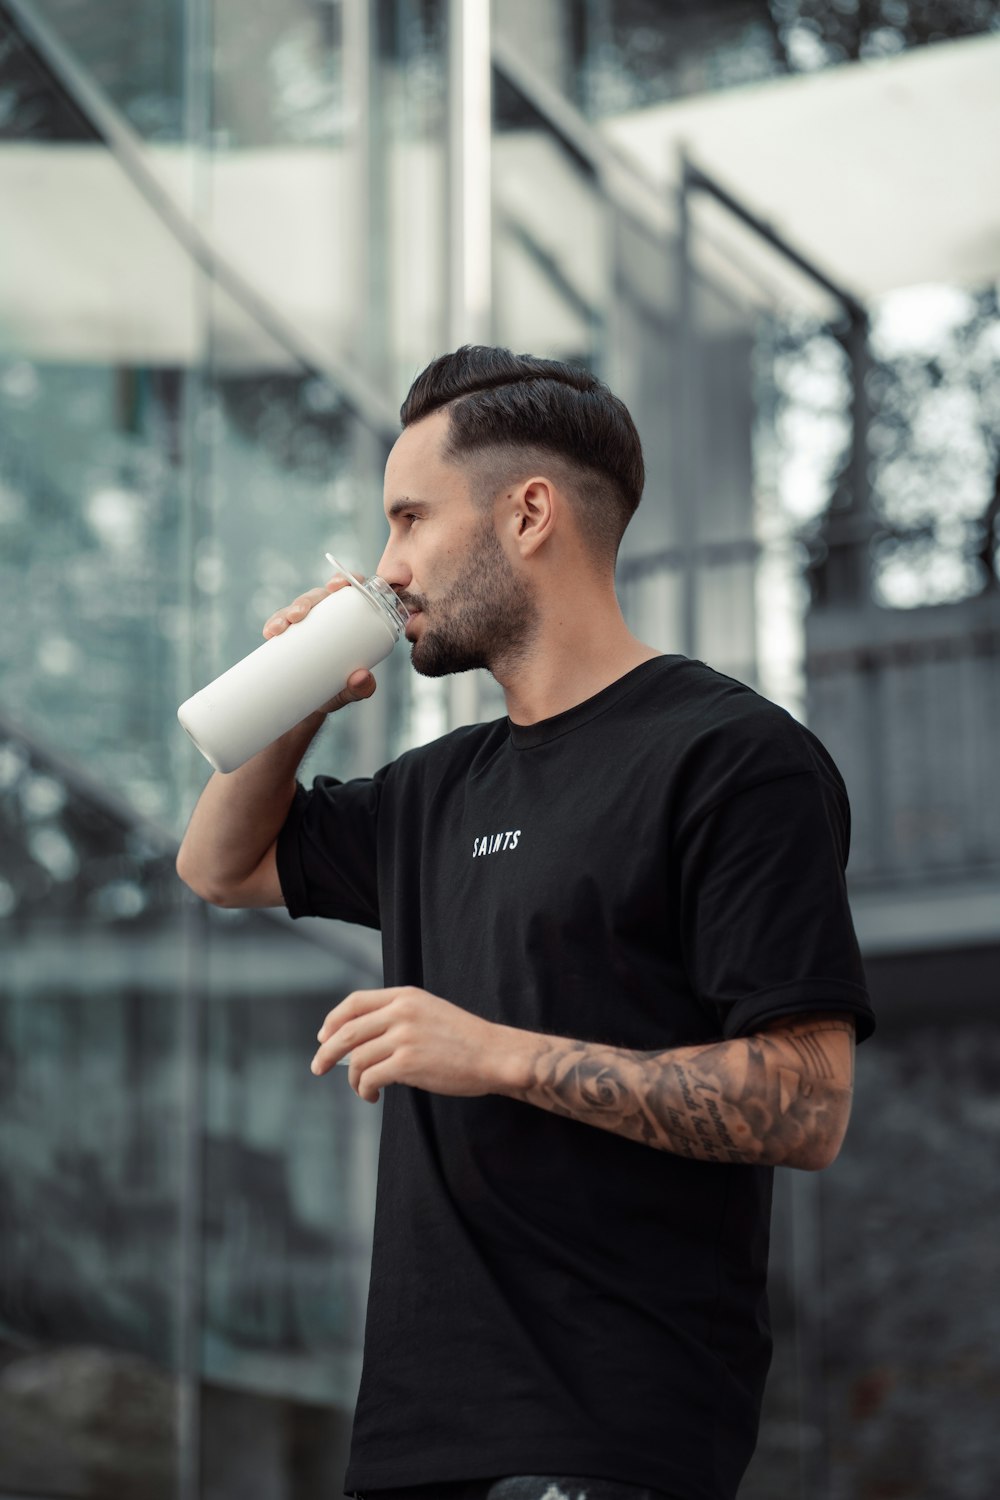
(621, 978)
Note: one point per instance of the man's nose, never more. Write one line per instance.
(393, 568)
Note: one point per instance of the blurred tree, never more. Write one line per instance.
(631, 53)
(934, 396)
(935, 449)
(813, 34)
(133, 49)
(31, 103)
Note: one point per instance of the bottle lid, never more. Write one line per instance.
(378, 592)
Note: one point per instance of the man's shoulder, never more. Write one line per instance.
(696, 700)
(724, 736)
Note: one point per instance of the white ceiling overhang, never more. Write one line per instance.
(89, 270)
(884, 174)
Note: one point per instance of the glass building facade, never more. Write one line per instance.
(230, 236)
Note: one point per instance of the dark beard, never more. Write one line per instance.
(486, 618)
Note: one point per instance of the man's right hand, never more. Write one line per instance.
(228, 854)
(360, 684)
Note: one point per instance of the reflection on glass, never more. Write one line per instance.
(133, 49)
(180, 1200)
(90, 1139)
(31, 108)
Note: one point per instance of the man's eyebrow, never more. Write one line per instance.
(406, 503)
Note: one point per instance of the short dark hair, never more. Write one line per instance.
(516, 410)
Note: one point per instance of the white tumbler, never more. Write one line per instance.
(294, 673)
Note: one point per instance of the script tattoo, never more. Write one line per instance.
(779, 1097)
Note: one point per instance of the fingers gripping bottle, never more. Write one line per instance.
(290, 675)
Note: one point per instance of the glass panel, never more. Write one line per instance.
(289, 1177)
(652, 604)
(89, 578)
(278, 77)
(133, 51)
(31, 109)
(635, 53)
(173, 465)
(616, 55)
(725, 615)
(93, 1141)
(724, 512)
(408, 185)
(550, 238)
(94, 1122)
(643, 369)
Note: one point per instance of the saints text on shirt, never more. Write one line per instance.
(494, 843)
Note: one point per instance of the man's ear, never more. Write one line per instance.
(533, 514)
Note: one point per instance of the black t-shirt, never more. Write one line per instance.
(659, 866)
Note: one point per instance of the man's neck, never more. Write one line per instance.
(570, 661)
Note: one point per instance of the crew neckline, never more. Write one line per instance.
(526, 736)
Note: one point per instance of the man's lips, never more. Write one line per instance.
(414, 615)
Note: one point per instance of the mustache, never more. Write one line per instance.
(412, 602)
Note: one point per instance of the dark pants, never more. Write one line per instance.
(520, 1487)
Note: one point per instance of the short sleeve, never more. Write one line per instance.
(327, 852)
(766, 923)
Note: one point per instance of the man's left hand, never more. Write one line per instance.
(407, 1035)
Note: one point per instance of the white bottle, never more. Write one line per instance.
(294, 673)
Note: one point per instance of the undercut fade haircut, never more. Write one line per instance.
(511, 415)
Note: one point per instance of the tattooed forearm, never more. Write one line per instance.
(781, 1097)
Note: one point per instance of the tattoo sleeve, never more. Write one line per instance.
(779, 1097)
